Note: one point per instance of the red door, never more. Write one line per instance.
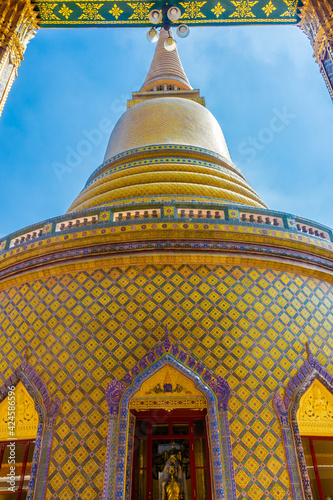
(318, 452)
(15, 468)
(171, 459)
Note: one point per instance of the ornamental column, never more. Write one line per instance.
(317, 24)
(18, 24)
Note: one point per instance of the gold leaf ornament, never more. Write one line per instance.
(243, 8)
(141, 10)
(218, 10)
(65, 11)
(315, 413)
(116, 11)
(292, 8)
(192, 9)
(269, 9)
(90, 11)
(46, 11)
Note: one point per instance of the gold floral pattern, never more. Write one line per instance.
(141, 10)
(192, 9)
(218, 9)
(90, 11)
(46, 11)
(292, 8)
(196, 12)
(65, 11)
(269, 8)
(243, 8)
(116, 11)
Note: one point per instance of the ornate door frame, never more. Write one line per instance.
(47, 413)
(117, 479)
(183, 442)
(287, 409)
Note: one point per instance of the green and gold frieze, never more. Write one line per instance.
(135, 14)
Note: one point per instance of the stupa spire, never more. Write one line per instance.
(166, 68)
(167, 144)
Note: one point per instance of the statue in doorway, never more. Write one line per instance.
(172, 488)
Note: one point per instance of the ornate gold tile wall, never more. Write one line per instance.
(248, 325)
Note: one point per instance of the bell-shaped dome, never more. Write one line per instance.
(166, 146)
(167, 120)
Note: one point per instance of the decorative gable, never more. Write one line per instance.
(18, 416)
(315, 414)
(169, 389)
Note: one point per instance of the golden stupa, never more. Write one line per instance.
(191, 157)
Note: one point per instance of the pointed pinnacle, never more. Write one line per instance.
(166, 67)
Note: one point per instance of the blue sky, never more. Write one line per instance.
(261, 83)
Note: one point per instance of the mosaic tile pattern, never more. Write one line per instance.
(84, 329)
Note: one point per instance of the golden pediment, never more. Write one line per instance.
(315, 413)
(169, 389)
(18, 417)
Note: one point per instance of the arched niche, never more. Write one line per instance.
(315, 426)
(18, 433)
(315, 412)
(189, 388)
(305, 412)
(169, 405)
(21, 423)
(35, 416)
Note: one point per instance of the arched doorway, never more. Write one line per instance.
(178, 395)
(315, 423)
(306, 418)
(18, 433)
(27, 418)
(171, 448)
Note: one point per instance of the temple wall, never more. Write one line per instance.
(86, 327)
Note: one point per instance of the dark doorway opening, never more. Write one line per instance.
(318, 452)
(16, 462)
(171, 458)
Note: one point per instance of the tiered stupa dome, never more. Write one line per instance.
(166, 143)
(167, 120)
